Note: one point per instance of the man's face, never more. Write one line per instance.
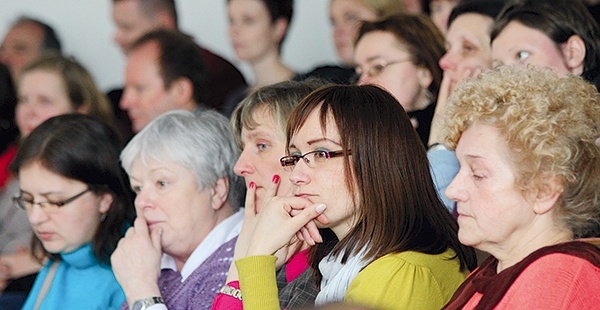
(145, 96)
(22, 45)
(131, 23)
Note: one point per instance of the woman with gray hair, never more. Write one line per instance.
(179, 250)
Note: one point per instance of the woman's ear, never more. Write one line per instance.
(279, 29)
(219, 193)
(105, 201)
(574, 52)
(548, 193)
(424, 77)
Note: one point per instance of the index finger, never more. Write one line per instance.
(140, 225)
(273, 187)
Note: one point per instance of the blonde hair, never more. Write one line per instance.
(550, 123)
(79, 85)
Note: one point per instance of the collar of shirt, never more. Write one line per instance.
(222, 233)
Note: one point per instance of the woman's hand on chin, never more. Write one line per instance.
(279, 222)
(136, 261)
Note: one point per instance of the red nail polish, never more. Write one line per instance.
(251, 185)
(276, 179)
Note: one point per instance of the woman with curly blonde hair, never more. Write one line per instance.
(527, 188)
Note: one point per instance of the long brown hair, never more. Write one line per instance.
(397, 207)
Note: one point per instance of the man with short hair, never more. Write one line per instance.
(133, 18)
(27, 40)
(165, 71)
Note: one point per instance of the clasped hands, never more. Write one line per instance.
(282, 225)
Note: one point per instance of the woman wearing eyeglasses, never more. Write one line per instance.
(400, 53)
(359, 169)
(79, 205)
(50, 86)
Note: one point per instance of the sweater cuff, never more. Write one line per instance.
(258, 282)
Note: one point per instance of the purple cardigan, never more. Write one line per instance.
(201, 287)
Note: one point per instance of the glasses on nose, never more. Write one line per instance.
(376, 69)
(312, 159)
(26, 202)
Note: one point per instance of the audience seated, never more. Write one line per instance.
(133, 18)
(527, 188)
(560, 34)
(181, 168)
(398, 250)
(257, 30)
(259, 130)
(165, 71)
(27, 40)
(50, 86)
(76, 198)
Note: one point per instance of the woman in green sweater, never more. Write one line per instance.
(358, 168)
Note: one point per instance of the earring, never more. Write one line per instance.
(102, 217)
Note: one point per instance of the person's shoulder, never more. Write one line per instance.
(561, 265)
(407, 280)
(556, 281)
(401, 264)
(212, 59)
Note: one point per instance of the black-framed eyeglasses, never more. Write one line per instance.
(25, 201)
(377, 69)
(312, 159)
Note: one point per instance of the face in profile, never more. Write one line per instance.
(21, 46)
(468, 47)
(323, 180)
(346, 16)
(382, 60)
(251, 31)
(492, 210)
(42, 95)
(263, 146)
(145, 96)
(61, 229)
(518, 44)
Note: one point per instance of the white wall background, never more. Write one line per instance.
(85, 28)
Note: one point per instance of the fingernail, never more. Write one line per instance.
(251, 185)
(320, 208)
(276, 179)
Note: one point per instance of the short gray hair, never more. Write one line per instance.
(201, 142)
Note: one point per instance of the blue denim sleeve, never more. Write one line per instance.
(444, 166)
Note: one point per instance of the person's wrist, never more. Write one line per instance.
(140, 290)
(232, 289)
(143, 304)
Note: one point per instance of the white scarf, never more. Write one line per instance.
(337, 276)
